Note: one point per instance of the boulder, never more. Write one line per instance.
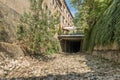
(10, 50)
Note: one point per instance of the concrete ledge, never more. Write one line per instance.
(71, 37)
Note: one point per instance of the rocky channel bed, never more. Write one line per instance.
(59, 67)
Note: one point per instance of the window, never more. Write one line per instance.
(59, 3)
(63, 8)
(66, 23)
(52, 1)
(67, 15)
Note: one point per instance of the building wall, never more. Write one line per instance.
(60, 7)
(53, 6)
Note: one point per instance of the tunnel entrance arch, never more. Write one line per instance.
(71, 43)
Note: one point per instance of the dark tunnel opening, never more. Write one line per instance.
(71, 46)
(74, 46)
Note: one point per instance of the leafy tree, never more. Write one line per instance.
(107, 29)
(89, 12)
(37, 28)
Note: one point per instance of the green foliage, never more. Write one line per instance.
(37, 29)
(107, 29)
(59, 31)
(89, 12)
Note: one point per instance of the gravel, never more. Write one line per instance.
(59, 67)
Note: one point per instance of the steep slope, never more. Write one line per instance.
(8, 23)
(107, 29)
(9, 20)
(20, 6)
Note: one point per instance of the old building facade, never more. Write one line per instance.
(58, 7)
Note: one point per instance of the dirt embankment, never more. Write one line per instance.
(9, 20)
